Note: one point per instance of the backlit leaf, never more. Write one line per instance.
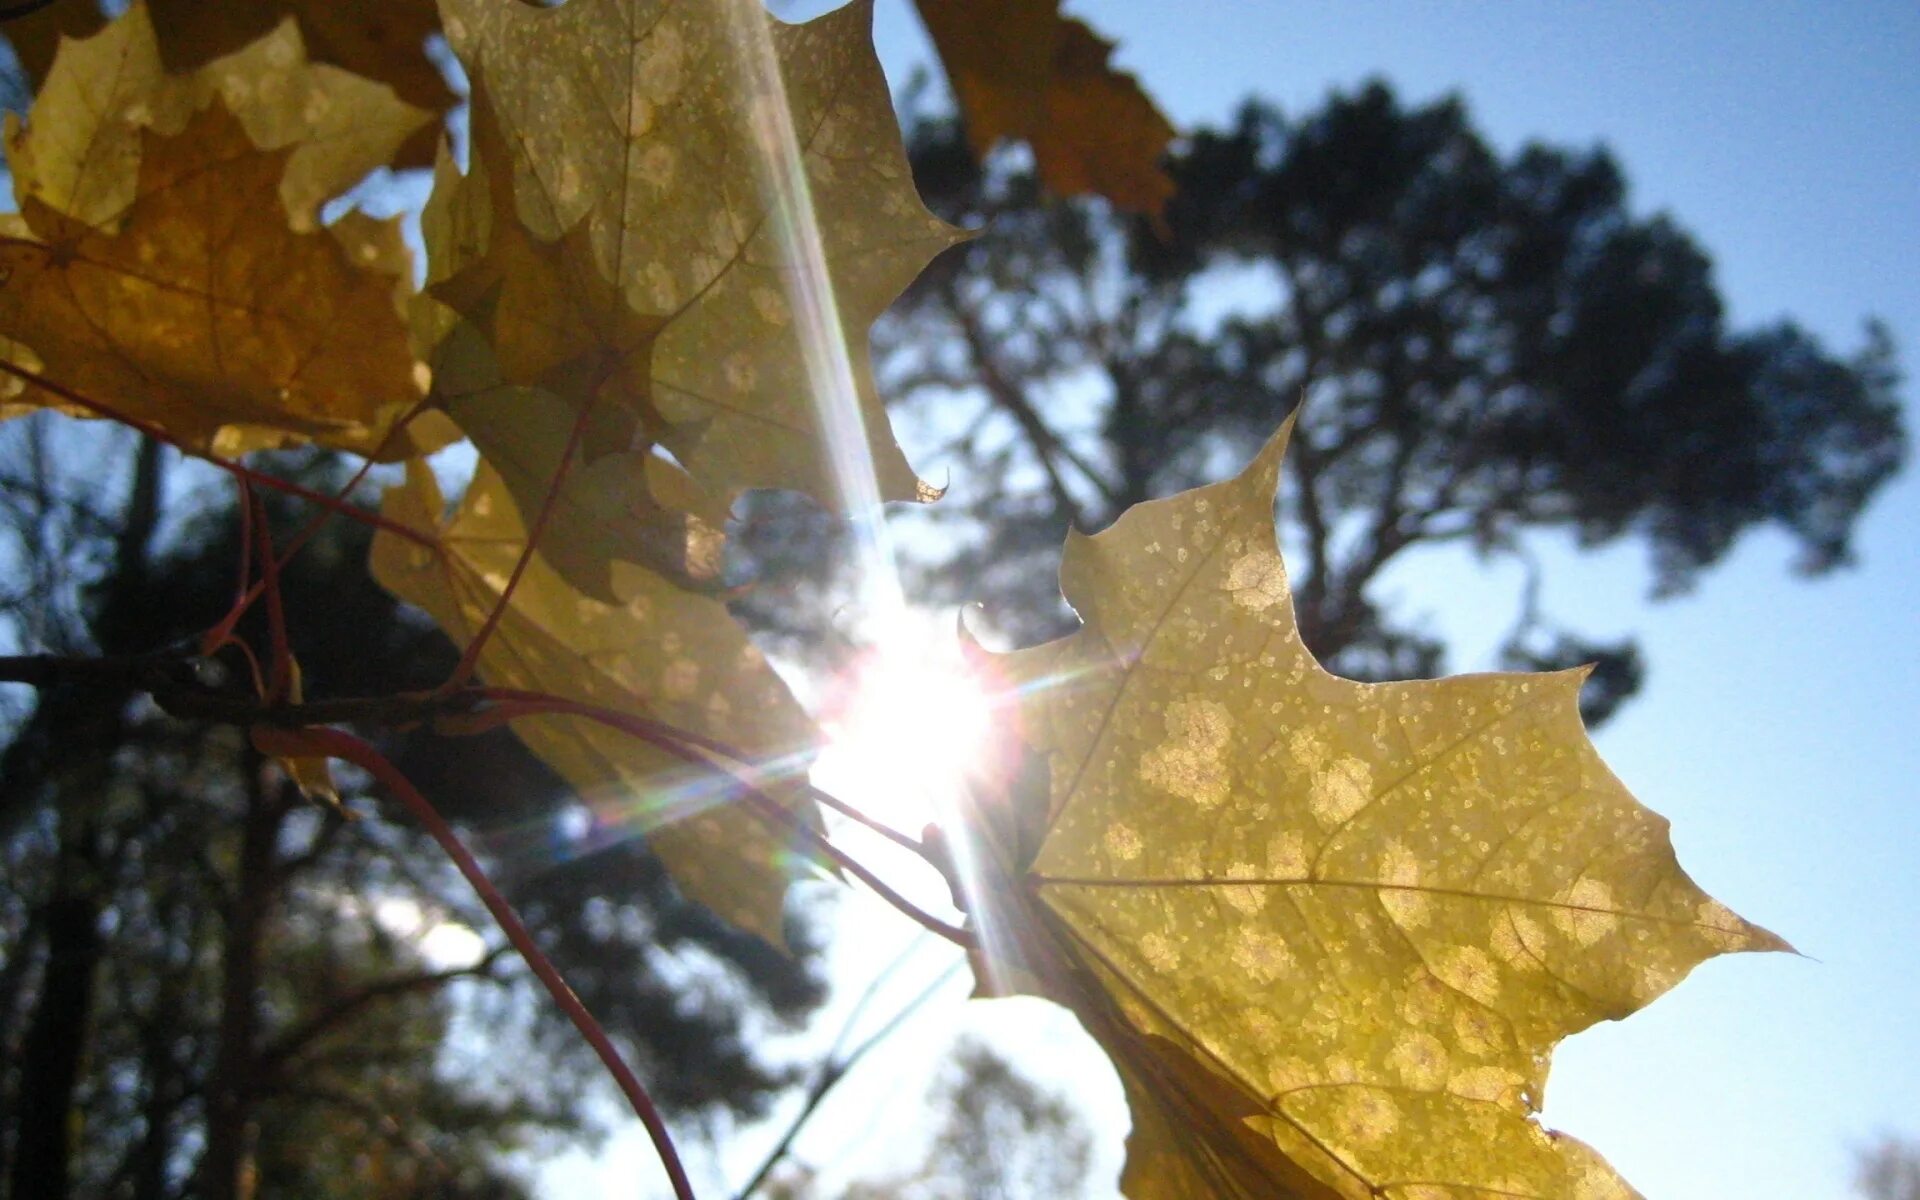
(664, 653)
(550, 317)
(35, 36)
(204, 311)
(1331, 931)
(80, 152)
(620, 516)
(536, 309)
(1021, 70)
(658, 256)
(380, 40)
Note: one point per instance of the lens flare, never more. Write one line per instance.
(907, 724)
(794, 228)
(911, 701)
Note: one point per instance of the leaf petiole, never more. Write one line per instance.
(332, 743)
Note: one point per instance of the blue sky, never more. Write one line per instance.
(1780, 730)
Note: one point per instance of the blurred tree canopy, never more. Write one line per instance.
(996, 1135)
(1485, 346)
(1888, 1170)
(204, 988)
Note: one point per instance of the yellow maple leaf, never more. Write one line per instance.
(644, 144)
(35, 36)
(613, 520)
(205, 312)
(380, 40)
(1021, 70)
(79, 153)
(543, 312)
(550, 317)
(1330, 931)
(664, 653)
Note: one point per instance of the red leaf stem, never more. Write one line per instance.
(513, 703)
(217, 636)
(344, 746)
(239, 470)
(279, 662)
(471, 657)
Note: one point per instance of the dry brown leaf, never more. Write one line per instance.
(205, 312)
(1021, 70)
(381, 40)
(79, 153)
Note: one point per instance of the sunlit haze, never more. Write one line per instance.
(905, 724)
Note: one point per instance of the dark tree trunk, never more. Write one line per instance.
(22, 956)
(1133, 440)
(68, 744)
(56, 1036)
(226, 1168)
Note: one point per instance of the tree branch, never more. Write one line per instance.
(695, 751)
(834, 1069)
(1302, 452)
(170, 679)
(334, 744)
(1004, 394)
(1306, 476)
(344, 1008)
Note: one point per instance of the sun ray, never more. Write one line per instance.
(917, 718)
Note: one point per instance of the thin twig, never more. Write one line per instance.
(898, 838)
(167, 678)
(470, 657)
(714, 745)
(664, 737)
(835, 1069)
(217, 636)
(289, 1044)
(334, 744)
(159, 434)
(872, 990)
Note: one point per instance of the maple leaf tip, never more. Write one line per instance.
(1262, 474)
(1275, 447)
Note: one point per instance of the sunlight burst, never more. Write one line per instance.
(906, 725)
